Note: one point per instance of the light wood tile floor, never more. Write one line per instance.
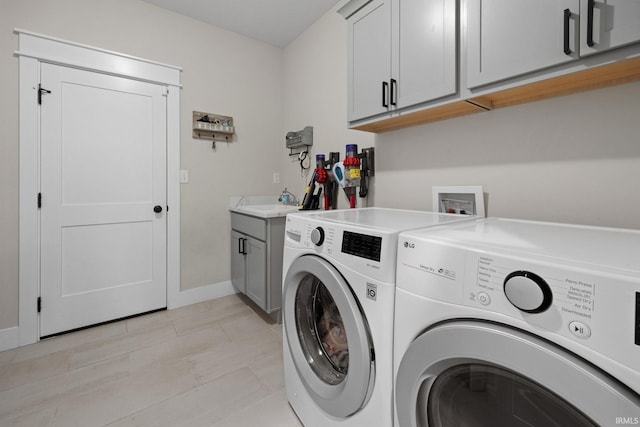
(217, 363)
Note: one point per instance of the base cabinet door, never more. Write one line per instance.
(237, 261)
(256, 271)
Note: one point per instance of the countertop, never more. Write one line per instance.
(260, 206)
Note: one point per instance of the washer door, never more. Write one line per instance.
(328, 336)
(468, 373)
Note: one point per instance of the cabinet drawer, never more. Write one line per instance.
(249, 225)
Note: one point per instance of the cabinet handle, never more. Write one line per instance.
(590, 6)
(385, 87)
(567, 17)
(241, 246)
(394, 93)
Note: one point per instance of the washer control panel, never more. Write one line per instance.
(366, 250)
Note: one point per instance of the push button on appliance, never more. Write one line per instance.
(580, 329)
(484, 298)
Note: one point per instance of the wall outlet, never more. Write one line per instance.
(276, 178)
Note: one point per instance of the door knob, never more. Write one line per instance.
(157, 209)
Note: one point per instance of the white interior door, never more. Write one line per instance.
(103, 170)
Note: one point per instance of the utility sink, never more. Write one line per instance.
(263, 208)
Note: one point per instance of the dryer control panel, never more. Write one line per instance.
(523, 290)
(566, 303)
(596, 309)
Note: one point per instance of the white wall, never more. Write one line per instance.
(315, 94)
(571, 159)
(224, 73)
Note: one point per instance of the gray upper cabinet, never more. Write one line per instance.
(369, 60)
(425, 58)
(401, 53)
(507, 38)
(608, 24)
(417, 61)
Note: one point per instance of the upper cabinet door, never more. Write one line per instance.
(608, 24)
(369, 60)
(424, 51)
(507, 38)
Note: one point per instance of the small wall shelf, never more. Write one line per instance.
(213, 127)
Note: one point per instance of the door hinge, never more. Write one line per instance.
(39, 200)
(165, 91)
(39, 304)
(41, 90)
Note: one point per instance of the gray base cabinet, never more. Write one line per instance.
(256, 260)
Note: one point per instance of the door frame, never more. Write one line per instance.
(35, 49)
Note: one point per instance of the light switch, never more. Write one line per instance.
(184, 176)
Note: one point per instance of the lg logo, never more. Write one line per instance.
(409, 245)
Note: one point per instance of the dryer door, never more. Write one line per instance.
(328, 336)
(466, 373)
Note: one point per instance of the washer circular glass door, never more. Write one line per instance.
(474, 373)
(328, 336)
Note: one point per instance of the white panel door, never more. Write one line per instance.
(507, 38)
(607, 24)
(103, 171)
(369, 45)
(424, 51)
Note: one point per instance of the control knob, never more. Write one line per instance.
(317, 236)
(528, 292)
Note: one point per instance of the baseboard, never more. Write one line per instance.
(9, 338)
(200, 294)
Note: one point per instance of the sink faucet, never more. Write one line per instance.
(288, 198)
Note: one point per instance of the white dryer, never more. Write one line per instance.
(514, 323)
(339, 272)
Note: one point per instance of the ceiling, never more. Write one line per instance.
(277, 22)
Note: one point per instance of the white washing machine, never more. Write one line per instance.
(339, 272)
(513, 323)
